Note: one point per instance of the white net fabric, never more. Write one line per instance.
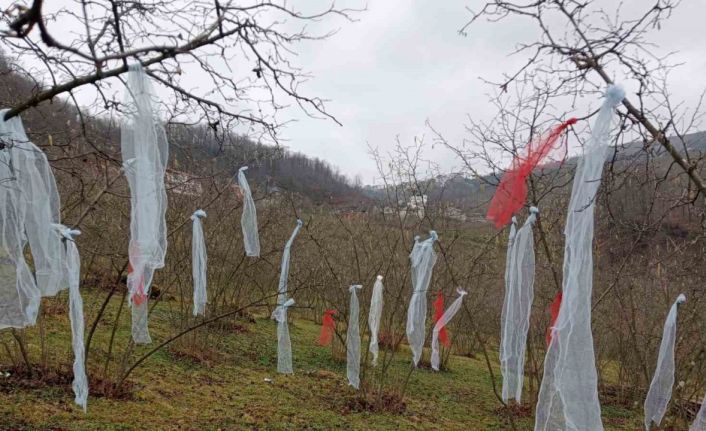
(423, 258)
(374, 317)
(509, 264)
(699, 423)
(40, 205)
(660, 391)
(449, 314)
(284, 270)
(248, 221)
(198, 263)
(19, 294)
(353, 339)
(519, 294)
(568, 396)
(284, 344)
(145, 151)
(72, 278)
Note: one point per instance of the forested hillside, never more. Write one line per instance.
(196, 150)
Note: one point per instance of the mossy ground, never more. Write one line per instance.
(224, 387)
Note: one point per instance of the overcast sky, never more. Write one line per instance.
(403, 62)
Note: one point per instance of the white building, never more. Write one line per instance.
(181, 183)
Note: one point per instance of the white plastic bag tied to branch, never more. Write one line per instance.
(40, 206)
(198, 263)
(443, 321)
(519, 294)
(663, 380)
(374, 317)
(699, 423)
(145, 151)
(353, 339)
(19, 294)
(568, 396)
(72, 277)
(284, 344)
(248, 221)
(284, 270)
(423, 258)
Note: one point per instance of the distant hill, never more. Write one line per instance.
(472, 194)
(195, 150)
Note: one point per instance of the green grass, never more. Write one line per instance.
(228, 391)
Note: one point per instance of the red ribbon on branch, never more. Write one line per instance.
(511, 193)
(328, 327)
(438, 312)
(554, 310)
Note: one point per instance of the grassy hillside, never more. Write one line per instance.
(224, 387)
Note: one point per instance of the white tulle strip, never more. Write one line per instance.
(519, 294)
(699, 423)
(423, 258)
(660, 391)
(284, 271)
(353, 339)
(284, 344)
(72, 277)
(374, 317)
(568, 396)
(145, 152)
(198, 263)
(248, 221)
(19, 294)
(40, 206)
(443, 321)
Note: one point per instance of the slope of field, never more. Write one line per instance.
(232, 385)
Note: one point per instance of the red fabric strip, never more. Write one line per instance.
(438, 312)
(511, 193)
(328, 327)
(554, 310)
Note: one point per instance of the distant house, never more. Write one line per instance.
(182, 184)
(389, 210)
(417, 205)
(454, 213)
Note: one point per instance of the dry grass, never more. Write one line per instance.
(233, 386)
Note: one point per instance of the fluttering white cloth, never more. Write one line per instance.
(248, 221)
(443, 321)
(568, 396)
(19, 293)
(519, 294)
(353, 339)
(145, 151)
(660, 391)
(284, 344)
(198, 263)
(374, 317)
(40, 205)
(284, 270)
(72, 278)
(423, 258)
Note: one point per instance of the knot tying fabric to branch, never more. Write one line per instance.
(198, 214)
(280, 312)
(66, 232)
